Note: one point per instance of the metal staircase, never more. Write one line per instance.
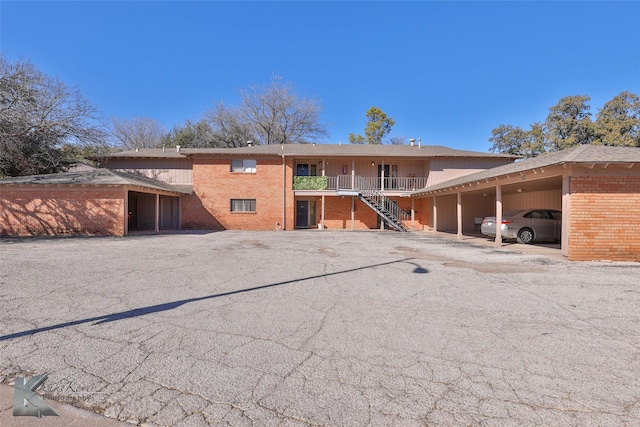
(386, 208)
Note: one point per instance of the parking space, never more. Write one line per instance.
(321, 328)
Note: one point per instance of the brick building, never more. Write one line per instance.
(337, 187)
(304, 186)
(597, 188)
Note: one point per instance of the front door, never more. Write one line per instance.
(386, 175)
(302, 214)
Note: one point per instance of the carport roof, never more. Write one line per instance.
(96, 177)
(585, 154)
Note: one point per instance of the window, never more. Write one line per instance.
(243, 205)
(243, 166)
(306, 169)
(537, 215)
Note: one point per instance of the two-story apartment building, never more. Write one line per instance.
(337, 187)
(302, 186)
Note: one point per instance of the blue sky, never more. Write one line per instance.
(446, 72)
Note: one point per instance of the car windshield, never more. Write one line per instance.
(513, 213)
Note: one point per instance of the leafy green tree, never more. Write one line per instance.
(378, 126)
(514, 140)
(508, 139)
(618, 122)
(38, 116)
(569, 123)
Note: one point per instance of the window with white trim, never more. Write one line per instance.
(243, 205)
(243, 166)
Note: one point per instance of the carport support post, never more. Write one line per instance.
(459, 215)
(413, 213)
(498, 215)
(435, 215)
(353, 211)
(157, 227)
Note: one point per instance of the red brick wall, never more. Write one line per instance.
(604, 218)
(338, 213)
(214, 186)
(51, 212)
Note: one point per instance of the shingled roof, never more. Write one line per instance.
(95, 177)
(586, 154)
(311, 150)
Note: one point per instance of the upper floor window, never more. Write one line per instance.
(306, 169)
(243, 165)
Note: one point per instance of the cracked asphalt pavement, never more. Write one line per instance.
(321, 328)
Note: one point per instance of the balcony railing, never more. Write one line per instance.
(349, 182)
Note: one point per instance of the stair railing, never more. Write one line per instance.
(387, 206)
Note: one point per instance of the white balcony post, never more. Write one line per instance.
(353, 174)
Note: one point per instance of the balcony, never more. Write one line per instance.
(348, 182)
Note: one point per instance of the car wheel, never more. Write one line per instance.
(525, 236)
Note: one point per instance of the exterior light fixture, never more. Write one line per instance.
(373, 163)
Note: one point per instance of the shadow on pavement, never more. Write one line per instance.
(175, 304)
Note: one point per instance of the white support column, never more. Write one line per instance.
(459, 215)
(566, 212)
(498, 240)
(382, 177)
(323, 168)
(322, 214)
(157, 227)
(435, 215)
(353, 213)
(413, 213)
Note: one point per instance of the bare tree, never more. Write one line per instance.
(229, 129)
(398, 140)
(269, 115)
(38, 115)
(139, 132)
(192, 135)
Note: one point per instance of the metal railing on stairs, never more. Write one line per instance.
(386, 208)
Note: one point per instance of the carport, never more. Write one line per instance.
(573, 181)
(88, 202)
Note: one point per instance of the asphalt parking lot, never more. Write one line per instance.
(321, 328)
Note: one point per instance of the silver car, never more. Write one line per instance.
(526, 225)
